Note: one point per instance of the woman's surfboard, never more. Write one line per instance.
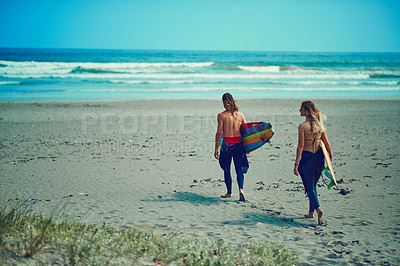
(255, 134)
(329, 163)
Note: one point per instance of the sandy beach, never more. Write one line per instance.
(149, 163)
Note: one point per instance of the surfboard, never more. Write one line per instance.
(328, 171)
(255, 135)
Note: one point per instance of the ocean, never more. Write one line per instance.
(82, 74)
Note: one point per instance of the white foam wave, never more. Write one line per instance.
(154, 81)
(153, 90)
(184, 76)
(263, 69)
(305, 89)
(186, 73)
(10, 83)
(44, 69)
(241, 89)
(102, 65)
(323, 82)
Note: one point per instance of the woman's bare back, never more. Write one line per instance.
(311, 140)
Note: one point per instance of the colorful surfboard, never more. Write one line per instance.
(328, 171)
(255, 134)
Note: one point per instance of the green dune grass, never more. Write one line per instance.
(35, 239)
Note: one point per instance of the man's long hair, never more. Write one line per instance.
(229, 103)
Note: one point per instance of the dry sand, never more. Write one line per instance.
(149, 163)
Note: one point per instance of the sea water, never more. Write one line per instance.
(81, 74)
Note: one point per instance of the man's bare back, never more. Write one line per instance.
(228, 126)
(231, 123)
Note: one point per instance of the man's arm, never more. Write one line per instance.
(243, 119)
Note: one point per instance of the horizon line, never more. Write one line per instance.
(200, 50)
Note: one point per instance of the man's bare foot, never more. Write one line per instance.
(241, 197)
(309, 215)
(227, 195)
(320, 221)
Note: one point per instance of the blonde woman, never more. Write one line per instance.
(229, 122)
(309, 157)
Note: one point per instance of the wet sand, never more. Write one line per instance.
(149, 163)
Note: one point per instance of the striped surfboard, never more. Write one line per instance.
(255, 134)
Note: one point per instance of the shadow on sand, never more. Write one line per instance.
(272, 219)
(248, 218)
(190, 198)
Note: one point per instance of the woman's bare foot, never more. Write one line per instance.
(227, 195)
(241, 197)
(309, 215)
(320, 221)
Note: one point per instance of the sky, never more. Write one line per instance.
(246, 25)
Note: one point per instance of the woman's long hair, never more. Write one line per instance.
(315, 116)
(229, 103)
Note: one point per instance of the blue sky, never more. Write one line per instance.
(261, 25)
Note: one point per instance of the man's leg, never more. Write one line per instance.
(237, 159)
(228, 177)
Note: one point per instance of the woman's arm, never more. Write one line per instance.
(300, 147)
(324, 138)
(218, 135)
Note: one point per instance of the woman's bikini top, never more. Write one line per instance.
(313, 141)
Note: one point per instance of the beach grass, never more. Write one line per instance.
(34, 239)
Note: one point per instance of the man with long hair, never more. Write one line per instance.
(229, 122)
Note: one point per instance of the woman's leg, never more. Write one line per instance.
(316, 177)
(311, 208)
(313, 197)
(310, 174)
(311, 190)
